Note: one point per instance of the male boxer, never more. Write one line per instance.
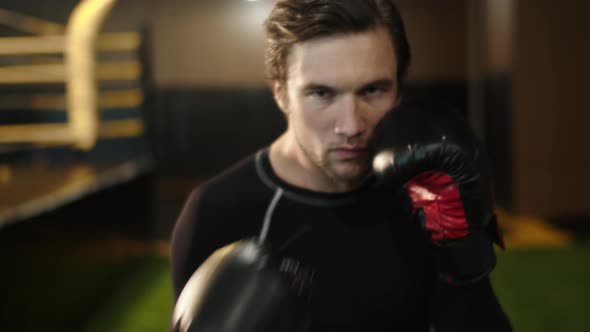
(337, 68)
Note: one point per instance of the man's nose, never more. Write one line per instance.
(350, 121)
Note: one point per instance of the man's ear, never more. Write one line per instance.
(280, 94)
(398, 101)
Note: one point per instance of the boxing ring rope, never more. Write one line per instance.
(114, 41)
(80, 71)
(34, 70)
(30, 24)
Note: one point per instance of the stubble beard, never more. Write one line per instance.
(329, 166)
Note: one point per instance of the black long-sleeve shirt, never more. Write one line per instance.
(373, 267)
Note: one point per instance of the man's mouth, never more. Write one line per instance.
(350, 151)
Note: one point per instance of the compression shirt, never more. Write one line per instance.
(373, 270)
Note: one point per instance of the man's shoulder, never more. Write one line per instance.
(238, 182)
(233, 201)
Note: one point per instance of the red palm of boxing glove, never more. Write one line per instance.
(430, 151)
(443, 215)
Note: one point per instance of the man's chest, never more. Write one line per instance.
(366, 272)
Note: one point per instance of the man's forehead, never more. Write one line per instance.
(343, 59)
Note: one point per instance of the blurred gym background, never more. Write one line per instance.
(112, 111)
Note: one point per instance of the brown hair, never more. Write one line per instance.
(293, 21)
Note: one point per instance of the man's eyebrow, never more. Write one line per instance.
(317, 86)
(384, 82)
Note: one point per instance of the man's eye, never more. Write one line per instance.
(373, 90)
(321, 93)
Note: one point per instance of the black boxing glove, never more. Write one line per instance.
(430, 152)
(240, 288)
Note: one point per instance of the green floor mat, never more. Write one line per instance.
(142, 303)
(540, 290)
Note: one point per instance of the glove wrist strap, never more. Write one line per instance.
(466, 260)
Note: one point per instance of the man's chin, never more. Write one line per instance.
(350, 171)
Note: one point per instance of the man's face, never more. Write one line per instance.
(338, 88)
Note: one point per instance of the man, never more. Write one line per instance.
(337, 68)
